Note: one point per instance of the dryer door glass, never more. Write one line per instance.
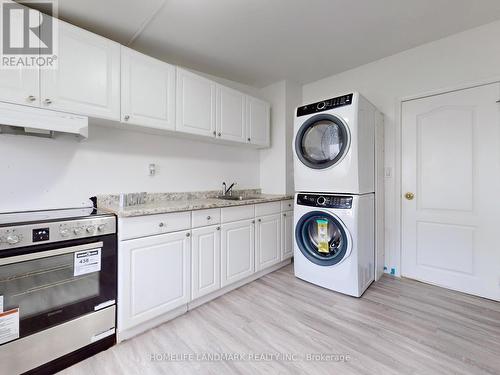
(321, 238)
(322, 141)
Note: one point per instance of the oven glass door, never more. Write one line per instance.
(58, 283)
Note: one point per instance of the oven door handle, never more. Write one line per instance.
(49, 253)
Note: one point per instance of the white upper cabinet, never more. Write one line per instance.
(147, 91)
(258, 122)
(230, 114)
(87, 79)
(196, 98)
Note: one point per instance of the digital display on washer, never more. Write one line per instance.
(326, 201)
(325, 105)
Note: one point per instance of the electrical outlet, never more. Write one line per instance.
(152, 169)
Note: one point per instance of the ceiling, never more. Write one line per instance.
(259, 42)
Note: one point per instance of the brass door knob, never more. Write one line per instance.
(409, 196)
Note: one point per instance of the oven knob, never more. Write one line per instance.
(12, 239)
(101, 227)
(321, 201)
(77, 231)
(91, 229)
(64, 232)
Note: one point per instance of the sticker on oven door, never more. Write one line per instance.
(9, 325)
(87, 261)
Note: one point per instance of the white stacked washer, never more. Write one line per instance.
(338, 171)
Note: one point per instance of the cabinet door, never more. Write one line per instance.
(230, 114)
(148, 91)
(237, 251)
(20, 85)
(195, 112)
(87, 79)
(287, 234)
(267, 241)
(205, 261)
(258, 122)
(153, 277)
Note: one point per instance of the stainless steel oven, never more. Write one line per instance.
(57, 288)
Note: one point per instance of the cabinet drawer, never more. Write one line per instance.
(287, 205)
(142, 226)
(229, 214)
(267, 208)
(203, 218)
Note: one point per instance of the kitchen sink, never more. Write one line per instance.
(237, 198)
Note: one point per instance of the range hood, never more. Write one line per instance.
(15, 118)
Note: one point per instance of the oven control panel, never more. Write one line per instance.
(325, 200)
(33, 234)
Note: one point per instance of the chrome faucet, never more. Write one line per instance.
(227, 190)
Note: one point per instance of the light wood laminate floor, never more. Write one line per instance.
(399, 326)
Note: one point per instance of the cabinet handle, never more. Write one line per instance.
(248, 139)
(215, 133)
(253, 221)
(260, 220)
(208, 217)
(161, 225)
(188, 234)
(218, 228)
(284, 214)
(126, 117)
(219, 134)
(48, 101)
(31, 98)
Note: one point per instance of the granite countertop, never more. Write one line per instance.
(177, 202)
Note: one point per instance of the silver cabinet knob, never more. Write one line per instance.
(284, 214)
(219, 134)
(209, 217)
(260, 220)
(161, 225)
(218, 228)
(48, 101)
(215, 133)
(253, 221)
(188, 234)
(248, 139)
(31, 98)
(126, 117)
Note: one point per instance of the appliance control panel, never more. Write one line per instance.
(325, 201)
(32, 234)
(325, 105)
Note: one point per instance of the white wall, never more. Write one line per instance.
(276, 173)
(42, 173)
(464, 58)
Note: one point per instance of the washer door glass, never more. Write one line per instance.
(321, 238)
(322, 141)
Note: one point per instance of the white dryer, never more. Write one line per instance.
(346, 264)
(334, 146)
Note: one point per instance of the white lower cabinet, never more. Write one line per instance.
(205, 261)
(267, 241)
(237, 251)
(287, 233)
(154, 277)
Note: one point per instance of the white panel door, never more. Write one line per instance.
(267, 241)
(287, 233)
(237, 251)
(148, 91)
(195, 100)
(258, 122)
(230, 115)
(87, 80)
(205, 261)
(153, 277)
(21, 85)
(451, 163)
